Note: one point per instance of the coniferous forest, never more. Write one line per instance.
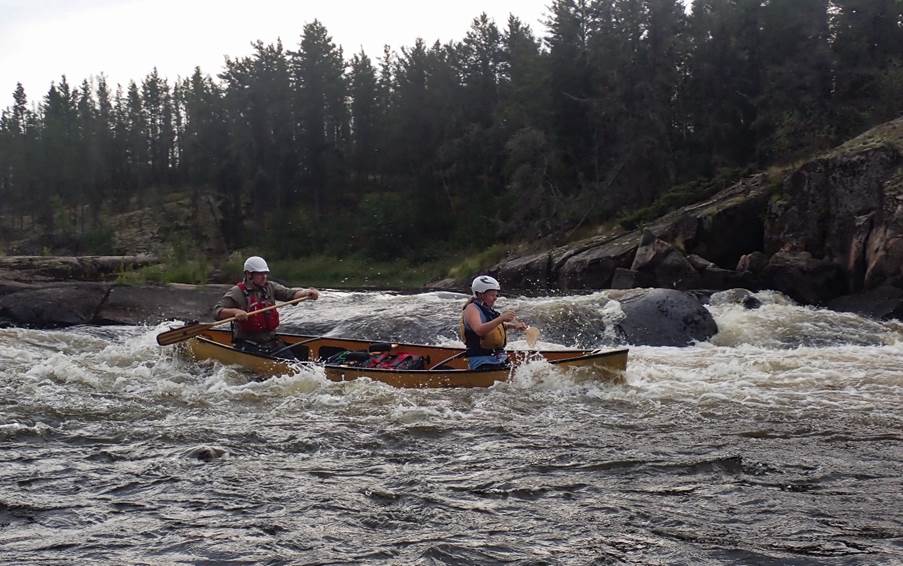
(501, 136)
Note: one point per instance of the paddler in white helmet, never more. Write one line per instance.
(483, 329)
(257, 333)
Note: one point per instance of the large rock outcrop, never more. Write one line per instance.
(56, 304)
(828, 227)
(701, 229)
(844, 209)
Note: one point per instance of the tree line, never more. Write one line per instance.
(499, 136)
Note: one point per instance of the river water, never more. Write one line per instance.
(780, 441)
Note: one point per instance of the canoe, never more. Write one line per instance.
(445, 366)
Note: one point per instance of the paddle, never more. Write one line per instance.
(191, 330)
(531, 333)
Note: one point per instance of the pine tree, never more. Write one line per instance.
(571, 84)
(365, 118)
(258, 102)
(868, 55)
(523, 97)
(104, 140)
(320, 110)
(16, 172)
(89, 157)
(724, 82)
(157, 110)
(120, 172)
(793, 109)
(481, 56)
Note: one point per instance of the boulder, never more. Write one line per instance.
(526, 272)
(592, 269)
(883, 256)
(716, 278)
(700, 263)
(667, 266)
(630, 279)
(804, 278)
(151, 304)
(594, 266)
(883, 303)
(663, 317)
(742, 297)
(754, 262)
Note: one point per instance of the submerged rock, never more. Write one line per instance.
(205, 453)
(743, 297)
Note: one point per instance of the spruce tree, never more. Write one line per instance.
(320, 113)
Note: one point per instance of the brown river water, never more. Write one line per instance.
(779, 441)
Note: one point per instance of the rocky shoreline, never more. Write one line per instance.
(657, 317)
(30, 297)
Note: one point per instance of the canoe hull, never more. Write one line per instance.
(451, 367)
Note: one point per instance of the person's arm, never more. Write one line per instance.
(516, 325)
(311, 294)
(283, 293)
(228, 306)
(472, 317)
(239, 314)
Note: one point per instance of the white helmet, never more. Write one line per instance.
(484, 283)
(256, 264)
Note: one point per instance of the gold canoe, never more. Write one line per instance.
(447, 366)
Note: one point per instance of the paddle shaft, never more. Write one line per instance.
(186, 332)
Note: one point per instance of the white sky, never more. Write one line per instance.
(40, 40)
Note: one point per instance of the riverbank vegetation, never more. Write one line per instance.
(416, 160)
(357, 272)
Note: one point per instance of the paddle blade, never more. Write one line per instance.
(532, 336)
(182, 333)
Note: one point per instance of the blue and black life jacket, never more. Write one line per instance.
(489, 344)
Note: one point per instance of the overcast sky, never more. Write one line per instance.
(40, 40)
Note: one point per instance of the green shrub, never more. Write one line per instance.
(181, 265)
(99, 240)
(682, 195)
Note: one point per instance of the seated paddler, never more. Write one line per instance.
(257, 333)
(484, 329)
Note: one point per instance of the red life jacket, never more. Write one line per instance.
(263, 322)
